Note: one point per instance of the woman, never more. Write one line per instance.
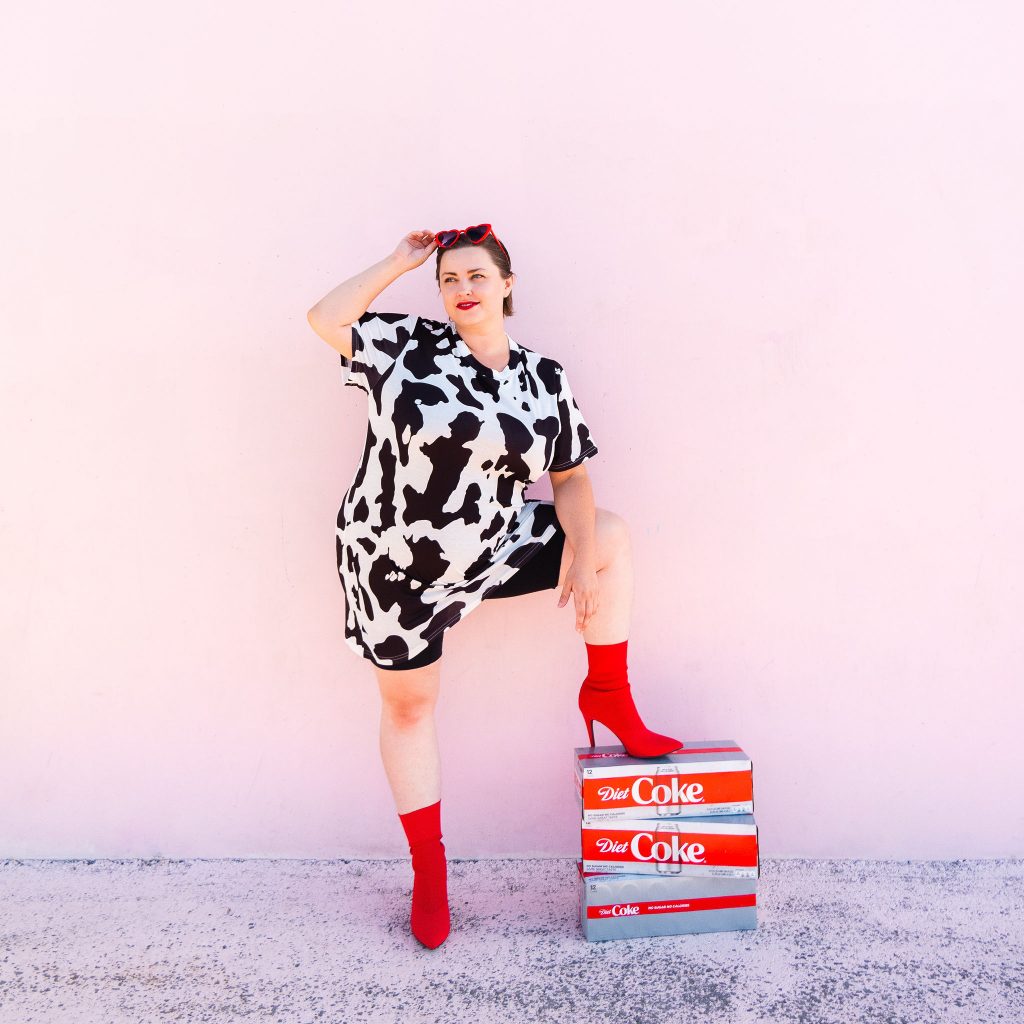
(461, 420)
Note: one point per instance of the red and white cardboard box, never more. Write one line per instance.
(717, 846)
(705, 777)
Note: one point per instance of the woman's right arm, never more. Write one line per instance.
(332, 317)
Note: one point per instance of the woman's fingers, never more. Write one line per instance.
(581, 614)
(586, 613)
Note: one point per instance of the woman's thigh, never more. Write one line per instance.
(414, 679)
(546, 569)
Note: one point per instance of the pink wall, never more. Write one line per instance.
(778, 248)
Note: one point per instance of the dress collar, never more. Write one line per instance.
(466, 353)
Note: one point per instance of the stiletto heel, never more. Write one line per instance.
(616, 711)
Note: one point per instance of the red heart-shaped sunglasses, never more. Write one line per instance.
(476, 234)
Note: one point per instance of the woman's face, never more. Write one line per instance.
(470, 275)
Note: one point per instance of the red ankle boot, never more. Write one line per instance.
(429, 920)
(606, 697)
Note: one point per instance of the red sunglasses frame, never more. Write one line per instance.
(459, 232)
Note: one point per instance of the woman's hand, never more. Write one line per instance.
(413, 250)
(581, 582)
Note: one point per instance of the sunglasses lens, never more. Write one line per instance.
(478, 232)
(445, 238)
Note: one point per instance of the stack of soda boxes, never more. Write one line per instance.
(669, 844)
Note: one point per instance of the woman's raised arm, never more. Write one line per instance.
(332, 317)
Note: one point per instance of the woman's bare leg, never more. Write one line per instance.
(607, 631)
(408, 746)
(614, 564)
(408, 735)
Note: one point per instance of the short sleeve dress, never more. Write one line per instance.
(436, 515)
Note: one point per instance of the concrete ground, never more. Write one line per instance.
(306, 941)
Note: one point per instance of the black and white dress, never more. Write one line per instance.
(436, 515)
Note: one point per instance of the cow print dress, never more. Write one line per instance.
(436, 515)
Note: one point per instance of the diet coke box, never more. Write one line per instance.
(704, 777)
(631, 906)
(716, 846)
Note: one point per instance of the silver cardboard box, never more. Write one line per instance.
(633, 906)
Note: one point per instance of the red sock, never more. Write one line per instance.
(607, 666)
(430, 920)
